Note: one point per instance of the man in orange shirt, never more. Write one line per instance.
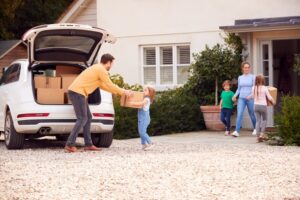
(87, 82)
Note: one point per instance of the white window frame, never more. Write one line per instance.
(157, 47)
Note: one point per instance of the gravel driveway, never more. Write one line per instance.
(198, 165)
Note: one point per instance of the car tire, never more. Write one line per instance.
(13, 139)
(61, 138)
(102, 139)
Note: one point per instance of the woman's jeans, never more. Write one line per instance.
(84, 119)
(261, 117)
(143, 123)
(242, 103)
(225, 117)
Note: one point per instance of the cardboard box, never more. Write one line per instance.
(67, 80)
(60, 69)
(273, 93)
(47, 82)
(136, 97)
(50, 96)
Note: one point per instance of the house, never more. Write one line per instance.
(11, 50)
(156, 39)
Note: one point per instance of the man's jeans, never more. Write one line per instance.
(84, 119)
(242, 103)
(225, 117)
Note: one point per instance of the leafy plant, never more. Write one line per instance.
(214, 65)
(296, 66)
(288, 121)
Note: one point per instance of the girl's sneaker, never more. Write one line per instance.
(227, 133)
(149, 146)
(235, 134)
(144, 146)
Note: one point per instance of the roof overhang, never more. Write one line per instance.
(74, 8)
(263, 24)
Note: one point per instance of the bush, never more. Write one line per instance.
(288, 121)
(172, 111)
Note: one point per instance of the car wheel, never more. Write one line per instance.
(102, 139)
(62, 138)
(13, 140)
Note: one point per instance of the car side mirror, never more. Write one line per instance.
(4, 69)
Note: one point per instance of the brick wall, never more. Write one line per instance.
(18, 52)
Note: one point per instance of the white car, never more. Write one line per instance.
(50, 46)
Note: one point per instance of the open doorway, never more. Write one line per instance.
(285, 79)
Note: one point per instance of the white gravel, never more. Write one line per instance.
(186, 166)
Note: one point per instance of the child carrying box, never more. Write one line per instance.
(144, 116)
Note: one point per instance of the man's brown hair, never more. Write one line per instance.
(106, 58)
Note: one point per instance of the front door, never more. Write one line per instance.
(266, 68)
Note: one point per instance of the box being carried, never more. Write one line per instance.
(136, 97)
(273, 93)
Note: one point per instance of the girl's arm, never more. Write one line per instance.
(138, 103)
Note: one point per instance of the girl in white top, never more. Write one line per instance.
(260, 93)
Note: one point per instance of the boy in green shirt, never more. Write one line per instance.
(226, 105)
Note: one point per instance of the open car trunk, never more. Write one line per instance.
(50, 84)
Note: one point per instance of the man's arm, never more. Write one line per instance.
(107, 85)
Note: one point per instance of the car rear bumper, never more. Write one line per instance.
(61, 126)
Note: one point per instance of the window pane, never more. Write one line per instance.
(166, 75)
(149, 56)
(183, 55)
(83, 44)
(166, 56)
(265, 52)
(266, 68)
(150, 75)
(182, 74)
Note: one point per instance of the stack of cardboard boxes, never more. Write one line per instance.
(53, 90)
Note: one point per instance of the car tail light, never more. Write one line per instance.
(103, 115)
(33, 115)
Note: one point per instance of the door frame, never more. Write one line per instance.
(260, 70)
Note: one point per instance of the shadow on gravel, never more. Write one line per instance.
(41, 143)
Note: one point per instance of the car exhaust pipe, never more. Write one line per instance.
(44, 130)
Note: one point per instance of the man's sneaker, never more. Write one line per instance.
(92, 148)
(227, 133)
(70, 149)
(235, 134)
(254, 132)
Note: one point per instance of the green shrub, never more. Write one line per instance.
(288, 121)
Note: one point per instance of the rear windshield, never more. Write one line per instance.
(79, 43)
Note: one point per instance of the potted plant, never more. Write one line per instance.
(213, 66)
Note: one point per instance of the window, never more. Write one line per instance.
(165, 65)
(12, 74)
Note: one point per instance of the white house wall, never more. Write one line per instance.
(143, 22)
(87, 14)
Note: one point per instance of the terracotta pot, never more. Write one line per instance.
(211, 116)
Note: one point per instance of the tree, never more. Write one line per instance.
(17, 16)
